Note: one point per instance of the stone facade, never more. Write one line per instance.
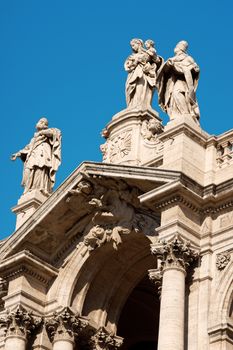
(132, 253)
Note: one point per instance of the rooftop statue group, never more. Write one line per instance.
(175, 80)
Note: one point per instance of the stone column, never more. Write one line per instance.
(19, 325)
(64, 327)
(175, 256)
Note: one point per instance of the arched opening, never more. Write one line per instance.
(139, 320)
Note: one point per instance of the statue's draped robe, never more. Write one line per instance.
(177, 84)
(141, 80)
(42, 157)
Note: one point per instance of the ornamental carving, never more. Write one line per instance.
(113, 217)
(109, 210)
(116, 216)
(103, 340)
(104, 149)
(20, 322)
(176, 253)
(222, 260)
(151, 129)
(120, 146)
(155, 277)
(65, 325)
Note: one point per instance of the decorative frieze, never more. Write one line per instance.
(65, 325)
(175, 253)
(20, 322)
(222, 260)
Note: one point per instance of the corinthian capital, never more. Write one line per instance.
(175, 253)
(103, 340)
(65, 325)
(20, 322)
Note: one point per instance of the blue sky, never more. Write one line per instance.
(64, 60)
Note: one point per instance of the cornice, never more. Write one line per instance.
(196, 134)
(27, 263)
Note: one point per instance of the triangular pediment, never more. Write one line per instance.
(55, 221)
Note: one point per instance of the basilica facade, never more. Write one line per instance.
(135, 252)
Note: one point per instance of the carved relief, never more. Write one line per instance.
(120, 146)
(222, 260)
(113, 217)
(65, 325)
(155, 277)
(113, 212)
(20, 322)
(176, 253)
(104, 149)
(150, 129)
(103, 340)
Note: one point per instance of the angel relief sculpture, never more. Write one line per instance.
(142, 66)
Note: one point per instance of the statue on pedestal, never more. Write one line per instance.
(142, 66)
(177, 83)
(41, 157)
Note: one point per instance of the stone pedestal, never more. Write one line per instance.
(27, 204)
(132, 137)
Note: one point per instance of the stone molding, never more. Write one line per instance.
(220, 332)
(27, 263)
(103, 340)
(178, 199)
(65, 325)
(176, 253)
(20, 323)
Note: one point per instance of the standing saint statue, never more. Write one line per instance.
(41, 157)
(142, 66)
(177, 83)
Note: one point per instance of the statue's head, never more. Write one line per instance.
(149, 43)
(181, 46)
(42, 123)
(136, 44)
